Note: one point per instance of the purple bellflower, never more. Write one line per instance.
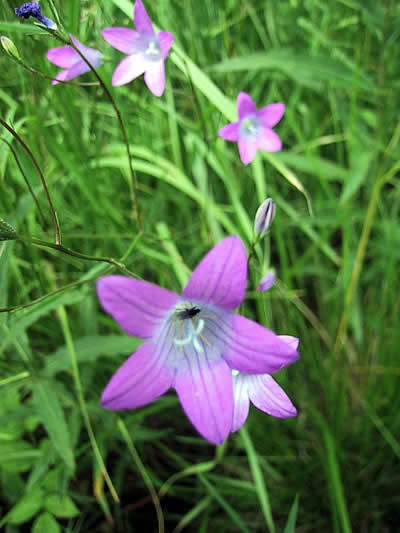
(32, 9)
(193, 341)
(69, 59)
(263, 391)
(254, 131)
(146, 51)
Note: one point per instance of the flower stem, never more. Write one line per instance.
(68, 251)
(121, 124)
(81, 399)
(42, 179)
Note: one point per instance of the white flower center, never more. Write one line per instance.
(250, 127)
(153, 50)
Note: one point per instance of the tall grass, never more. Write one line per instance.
(66, 464)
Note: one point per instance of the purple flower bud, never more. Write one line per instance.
(32, 9)
(264, 217)
(267, 282)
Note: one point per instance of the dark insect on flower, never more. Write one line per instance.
(188, 313)
(32, 9)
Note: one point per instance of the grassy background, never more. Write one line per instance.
(335, 66)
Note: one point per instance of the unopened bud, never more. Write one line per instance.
(10, 48)
(7, 232)
(264, 217)
(267, 282)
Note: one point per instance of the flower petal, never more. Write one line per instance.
(245, 105)
(268, 396)
(292, 341)
(205, 391)
(230, 132)
(92, 55)
(247, 150)
(140, 380)
(70, 73)
(141, 19)
(271, 114)
(63, 56)
(130, 68)
(138, 306)
(241, 401)
(155, 77)
(123, 39)
(220, 277)
(256, 350)
(166, 39)
(269, 141)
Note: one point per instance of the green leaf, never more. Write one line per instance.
(89, 349)
(291, 523)
(17, 456)
(18, 27)
(45, 523)
(52, 416)
(304, 69)
(61, 506)
(25, 509)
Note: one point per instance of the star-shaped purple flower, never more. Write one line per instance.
(146, 51)
(193, 341)
(254, 131)
(263, 391)
(69, 59)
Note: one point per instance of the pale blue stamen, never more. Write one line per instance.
(192, 336)
(250, 127)
(153, 50)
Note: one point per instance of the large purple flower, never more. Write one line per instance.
(263, 391)
(254, 131)
(193, 341)
(69, 59)
(146, 51)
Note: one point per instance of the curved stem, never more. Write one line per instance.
(121, 124)
(42, 178)
(73, 253)
(26, 180)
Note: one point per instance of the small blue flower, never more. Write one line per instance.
(32, 9)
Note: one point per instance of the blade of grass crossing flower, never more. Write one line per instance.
(261, 488)
(236, 520)
(144, 474)
(78, 385)
(52, 416)
(291, 523)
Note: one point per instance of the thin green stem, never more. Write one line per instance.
(121, 124)
(73, 253)
(144, 474)
(42, 178)
(73, 284)
(81, 399)
(26, 180)
(360, 255)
